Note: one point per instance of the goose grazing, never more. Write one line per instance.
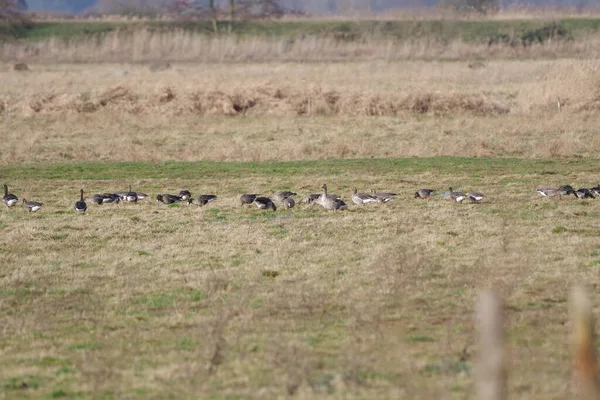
(247, 198)
(289, 202)
(383, 197)
(363, 198)
(202, 200)
(9, 199)
(282, 195)
(168, 198)
(584, 193)
(548, 192)
(476, 197)
(31, 206)
(80, 205)
(185, 194)
(424, 194)
(457, 196)
(264, 203)
(330, 202)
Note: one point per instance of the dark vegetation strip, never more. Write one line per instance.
(197, 170)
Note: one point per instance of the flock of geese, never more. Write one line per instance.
(324, 199)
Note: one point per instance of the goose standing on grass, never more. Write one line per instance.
(383, 197)
(168, 198)
(584, 193)
(457, 196)
(80, 205)
(265, 203)
(247, 198)
(9, 199)
(476, 197)
(282, 195)
(202, 200)
(330, 202)
(185, 194)
(31, 206)
(424, 194)
(363, 198)
(289, 202)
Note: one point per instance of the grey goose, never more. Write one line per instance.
(383, 197)
(110, 198)
(31, 206)
(584, 193)
(265, 203)
(363, 198)
(424, 193)
(567, 189)
(202, 200)
(80, 205)
(457, 196)
(130, 196)
(596, 190)
(289, 202)
(476, 197)
(329, 202)
(9, 199)
(247, 198)
(282, 195)
(168, 198)
(549, 192)
(185, 194)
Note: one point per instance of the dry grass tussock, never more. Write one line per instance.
(295, 111)
(229, 300)
(144, 45)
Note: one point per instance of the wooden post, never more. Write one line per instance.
(491, 367)
(585, 376)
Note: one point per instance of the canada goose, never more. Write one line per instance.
(264, 203)
(168, 198)
(457, 196)
(202, 200)
(247, 198)
(31, 206)
(80, 206)
(548, 192)
(476, 197)
(282, 195)
(363, 198)
(424, 193)
(330, 202)
(289, 202)
(584, 193)
(185, 194)
(9, 199)
(383, 197)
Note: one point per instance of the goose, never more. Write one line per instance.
(80, 206)
(310, 198)
(424, 193)
(264, 203)
(168, 198)
(330, 202)
(363, 198)
(31, 206)
(97, 199)
(567, 189)
(247, 198)
(282, 195)
(9, 199)
(476, 197)
(584, 193)
(457, 196)
(130, 196)
(185, 194)
(383, 197)
(110, 198)
(202, 200)
(548, 192)
(289, 202)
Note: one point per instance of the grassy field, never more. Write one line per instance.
(155, 301)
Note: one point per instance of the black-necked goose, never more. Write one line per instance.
(424, 193)
(247, 198)
(383, 197)
(363, 198)
(202, 200)
(289, 202)
(282, 195)
(80, 205)
(185, 194)
(31, 206)
(330, 202)
(457, 196)
(584, 193)
(9, 199)
(168, 198)
(476, 197)
(265, 203)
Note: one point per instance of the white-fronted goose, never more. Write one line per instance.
(330, 202)
(383, 197)
(289, 202)
(9, 199)
(424, 193)
(476, 197)
(202, 200)
(584, 193)
(247, 198)
(168, 198)
(363, 198)
(282, 195)
(185, 194)
(31, 206)
(80, 205)
(457, 196)
(264, 203)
